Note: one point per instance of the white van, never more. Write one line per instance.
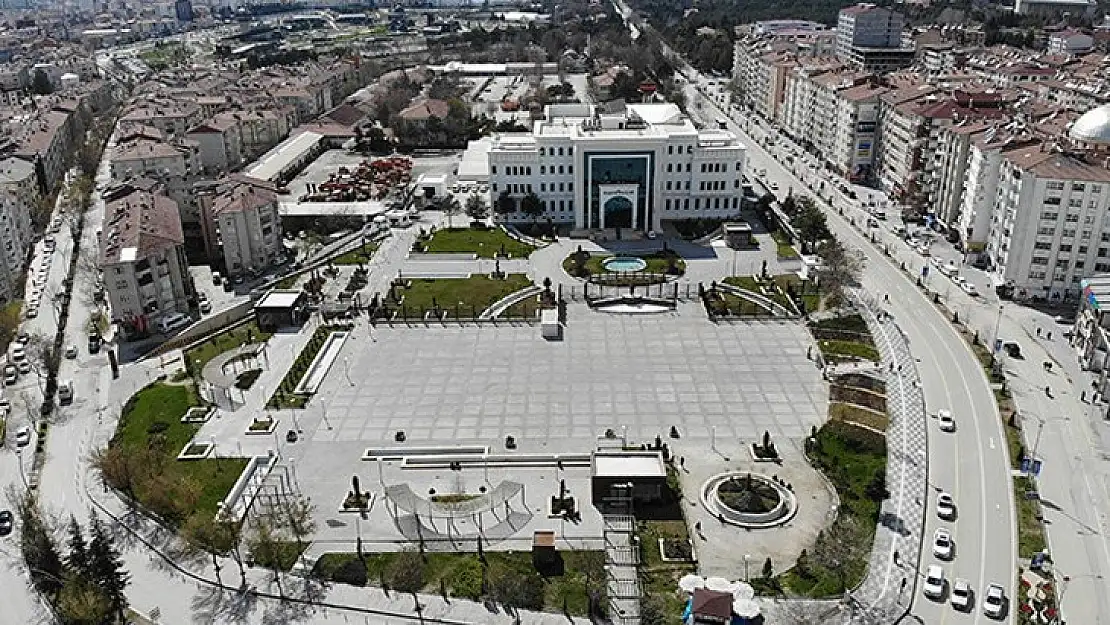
(172, 322)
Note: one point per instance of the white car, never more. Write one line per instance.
(18, 352)
(774, 186)
(934, 582)
(950, 268)
(71, 351)
(947, 422)
(24, 366)
(994, 601)
(970, 289)
(961, 595)
(23, 436)
(942, 544)
(946, 507)
(959, 280)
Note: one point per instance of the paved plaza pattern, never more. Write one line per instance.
(636, 374)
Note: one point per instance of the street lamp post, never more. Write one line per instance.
(347, 370)
(747, 558)
(994, 340)
(1037, 441)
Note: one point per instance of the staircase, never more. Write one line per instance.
(622, 557)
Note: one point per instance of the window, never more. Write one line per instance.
(686, 202)
(570, 205)
(1038, 260)
(1096, 188)
(1052, 201)
(668, 168)
(687, 167)
(541, 151)
(1063, 262)
(543, 169)
(1075, 202)
(1078, 186)
(1082, 249)
(689, 149)
(670, 150)
(494, 187)
(687, 185)
(736, 184)
(701, 186)
(560, 187)
(668, 185)
(668, 205)
(562, 205)
(560, 151)
(1042, 246)
(735, 201)
(543, 187)
(1071, 219)
(570, 187)
(529, 188)
(1069, 233)
(1050, 216)
(493, 169)
(703, 168)
(738, 164)
(680, 149)
(1054, 185)
(716, 202)
(1086, 234)
(560, 170)
(528, 170)
(570, 169)
(1089, 219)
(1065, 248)
(697, 203)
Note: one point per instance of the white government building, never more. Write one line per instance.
(609, 167)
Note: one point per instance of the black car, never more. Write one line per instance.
(5, 522)
(94, 342)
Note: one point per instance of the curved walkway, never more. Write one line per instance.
(763, 301)
(214, 372)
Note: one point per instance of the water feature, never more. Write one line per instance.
(624, 264)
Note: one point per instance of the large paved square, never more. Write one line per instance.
(457, 385)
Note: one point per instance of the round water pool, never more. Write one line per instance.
(622, 264)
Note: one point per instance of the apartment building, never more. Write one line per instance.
(1050, 224)
(141, 155)
(852, 142)
(244, 225)
(172, 117)
(221, 142)
(977, 200)
(869, 38)
(753, 55)
(631, 167)
(146, 275)
(18, 194)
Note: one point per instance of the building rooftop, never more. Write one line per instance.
(621, 464)
(138, 224)
(1093, 126)
(240, 197)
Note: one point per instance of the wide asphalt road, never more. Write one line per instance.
(972, 463)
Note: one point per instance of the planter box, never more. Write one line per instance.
(198, 414)
(663, 554)
(369, 505)
(269, 430)
(196, 451)
(751, 450)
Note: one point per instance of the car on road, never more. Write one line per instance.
(71, 351)
(946, 507)
(172, 322)
(942, 544)
(24, 366)
(994, 601)
(94, 340)
(970, 289)
(23, 436)
(5, 406)
(961, 595)
(946, 420)
(949, 268)
(65, 392)
(23, 338)
(11, 375)
(18, 352)
(32, 312)
(203, 302)
(5, 522)
(933, 587)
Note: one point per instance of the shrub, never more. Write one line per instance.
(352, 572)
(157, 427)
(466, 580)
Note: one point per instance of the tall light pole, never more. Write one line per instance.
(347, 370)
(997, 325)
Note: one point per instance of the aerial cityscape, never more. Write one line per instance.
(590, 311)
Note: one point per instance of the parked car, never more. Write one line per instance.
(994, 601)
(11, 375)
(204, 304)
(172, 322)
(961, 595)
(933, 587)
(24, 366)
(946, 507)
(970, 289)
(23, 436)
(18, 353)
(5, 522)
(71, 351)
(94, 341)
(65, 392)
(942, 544)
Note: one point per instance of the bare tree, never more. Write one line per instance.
(266, 546)
(839, 548)
(204, 532)
(840, 268)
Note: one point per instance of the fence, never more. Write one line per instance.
(590, 292)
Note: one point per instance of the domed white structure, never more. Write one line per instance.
(1093, 126)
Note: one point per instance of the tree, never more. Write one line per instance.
(839, 269)
(81, 602)
(768, 569)
(654, 610)
(838, 548)
(203, 531)
(78, 560)
(876, 488)
(532, 206)
(266, 546)
(506, 205)
(40, 83)
(406, 572)
(476, 208)
(297, 513)
(40, 552)
(106, 567)
(810, 223)
(451, 208)
(516, 589)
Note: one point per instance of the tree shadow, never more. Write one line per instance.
(213, 604)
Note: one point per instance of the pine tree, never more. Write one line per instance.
(106, 567)
(78, 558)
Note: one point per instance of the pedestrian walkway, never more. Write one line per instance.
(621, 561)
(888, 588)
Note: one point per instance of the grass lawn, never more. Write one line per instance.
(166, 404)
(461, 574)
(484, 243)
(471, 295)
(358, 256)
(286, 554)
(656, 263)
(226, 341)
(1030, 528)
(783, 247)
(840, 351)
(748, 283)
(855, 414)
(283, 396)
(849, 456)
